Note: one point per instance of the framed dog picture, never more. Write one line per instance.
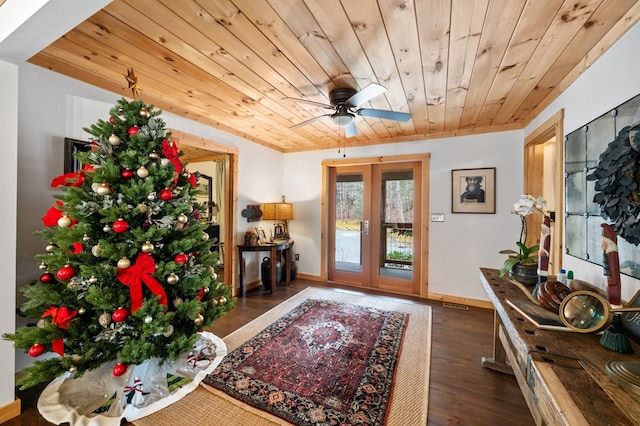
(473, 190)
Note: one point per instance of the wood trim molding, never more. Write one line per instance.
(460, 300)
(10, 411)
(424, 237)
(551, 128)
(230, 271)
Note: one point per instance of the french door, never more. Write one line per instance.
(374, 225)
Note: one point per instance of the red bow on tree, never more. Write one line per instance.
(72, 178)
(53, 214)
(135, 275)
(171, 151)
(60, 316)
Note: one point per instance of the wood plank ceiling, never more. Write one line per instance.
(458, 66)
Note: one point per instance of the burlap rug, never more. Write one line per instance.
(409, 401)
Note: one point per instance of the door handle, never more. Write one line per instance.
(365, 228)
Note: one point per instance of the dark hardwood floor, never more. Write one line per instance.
(461, 391)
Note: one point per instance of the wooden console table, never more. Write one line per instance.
(283, 247)
(562, 374)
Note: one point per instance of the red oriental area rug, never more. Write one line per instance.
(407, 403)
(325, 362)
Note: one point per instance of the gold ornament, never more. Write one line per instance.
(172, 279)
(144, 113)
(148, 319)
(182, 218)
(81, 310)
(64, 221)
(147, 247)
(103, 189)
(151, 196)
(124, 263)
(142, 208)
(106, 228)
(177, 302)
(104, 319)
(154, 155)
(169, 331)
(73, 369)
(142, 172)
(214, 302)
(93, 279)
(73, 285)
(199, 320)
(95, 250)
(214, 276)
(42, 323)
(50, 248)
(205, 290)
(43, 266)
(86, 238)
(222, 300)
(205, 236)
(114, 140)
(164, 162)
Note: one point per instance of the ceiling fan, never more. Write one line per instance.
(345, 102)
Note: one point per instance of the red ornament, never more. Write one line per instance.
(181, 258)
(166, 195)
(119, 369)
(112, 120)
(127, 174)
(47, 277)
(36, 350)
(120, 226)
(133, 130)
(65, 273)
(119, 315)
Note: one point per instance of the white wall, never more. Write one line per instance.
(8, 194)
(611, 80)
(459, 245)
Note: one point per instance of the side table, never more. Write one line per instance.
(282, 247)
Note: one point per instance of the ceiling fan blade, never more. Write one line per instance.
(350, 130)
(305, 101)
(387, 115)
(365, 95)
(311, 120)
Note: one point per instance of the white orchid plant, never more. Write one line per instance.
(526, 205)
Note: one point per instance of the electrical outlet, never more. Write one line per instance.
(437, 217)
(297, 256)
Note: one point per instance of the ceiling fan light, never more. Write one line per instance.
(343, 120)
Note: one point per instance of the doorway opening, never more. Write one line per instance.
(220, 163)
(544, 176)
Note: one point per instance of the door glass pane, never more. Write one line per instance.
(348, 238)
(396, 221)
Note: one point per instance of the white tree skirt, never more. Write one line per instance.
(100, 398)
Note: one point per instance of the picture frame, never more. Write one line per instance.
(205, 196)
(71, 147)
(262, 236)
(631, 320)
(473, 190)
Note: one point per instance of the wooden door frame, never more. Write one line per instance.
(533, 165)
(230, 260)
(424, 216)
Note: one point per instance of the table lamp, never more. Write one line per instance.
(280, 213)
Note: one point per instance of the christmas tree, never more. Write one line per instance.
(128, 272)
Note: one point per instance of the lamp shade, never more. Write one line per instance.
(277, 211)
